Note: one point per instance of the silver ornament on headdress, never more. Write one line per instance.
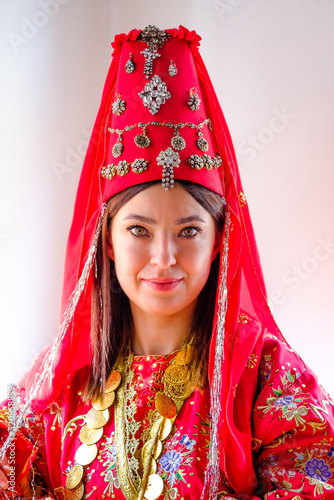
(119, 106)
(155, 39)
(212, 473)
(169, 160)
(172, 70)
(46, 368)
(130, 65)
(154, 94)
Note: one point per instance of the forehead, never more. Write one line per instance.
(158, 204)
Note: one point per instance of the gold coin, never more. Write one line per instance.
(113, 381)
(145, 452)
(179, 391)
(104, 403)
(165, 427)
(90, 436)
(153, 466)
(177, 374)
(96, 419)
(75, 494)
(155, 486)
(185, 355)
(74, 477)
(86, 454)
(165, 405)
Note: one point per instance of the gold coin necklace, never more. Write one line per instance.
(89, 435)
(177, 388)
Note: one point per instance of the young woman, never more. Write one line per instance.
(169, 377)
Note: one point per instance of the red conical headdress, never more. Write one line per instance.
(160, 119)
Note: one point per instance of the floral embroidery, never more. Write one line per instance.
(170, 462)
(176, 459)
(317, 469)
(288, 404)
(317, 463)
(108, 459)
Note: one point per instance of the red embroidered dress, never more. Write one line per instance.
(292, 442)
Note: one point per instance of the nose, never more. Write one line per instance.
(163, 252)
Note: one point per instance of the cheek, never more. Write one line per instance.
(198, 260)
(129, 258)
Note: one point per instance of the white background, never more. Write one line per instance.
(272, 64)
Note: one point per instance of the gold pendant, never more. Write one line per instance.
(74, 477)
(86, 454)
(166, 427)
(113, 381)
(177, 374)
(104, 403)
(75, 494)
(155, 486)
(90, 436)
(96, 419)
(165, 405)
(185, 355)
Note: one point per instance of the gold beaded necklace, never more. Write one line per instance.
(177, 388)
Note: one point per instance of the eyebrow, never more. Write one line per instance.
(178, 222)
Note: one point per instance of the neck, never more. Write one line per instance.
(159, 335)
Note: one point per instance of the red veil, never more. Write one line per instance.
(242, 313)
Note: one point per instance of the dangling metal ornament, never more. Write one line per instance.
(142, 141)
(194, 100)
(155, 39)
(154, 94)
(119, 105)
(172, 70)
(169, 160)
(117, 149)
(130, 65)
(178, 142)
(202, 144)
(150, 54)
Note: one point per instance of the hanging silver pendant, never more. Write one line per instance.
(130, 65)
(178, 142)
(154, 94)
(150, 54)
(117, 149)
(172, 70)
(142, 141)
(169, 160)
(202, 144)
(194, 100)
(119, 106)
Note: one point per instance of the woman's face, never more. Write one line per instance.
(163, 243)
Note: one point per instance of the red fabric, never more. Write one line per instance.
(246, 290)
(290, 415)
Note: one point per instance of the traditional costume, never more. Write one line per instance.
(262, 426)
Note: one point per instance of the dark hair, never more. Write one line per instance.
(111, 314)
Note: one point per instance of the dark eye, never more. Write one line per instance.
(191, 231)
(137, 231)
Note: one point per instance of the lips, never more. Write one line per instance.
(162, 284)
